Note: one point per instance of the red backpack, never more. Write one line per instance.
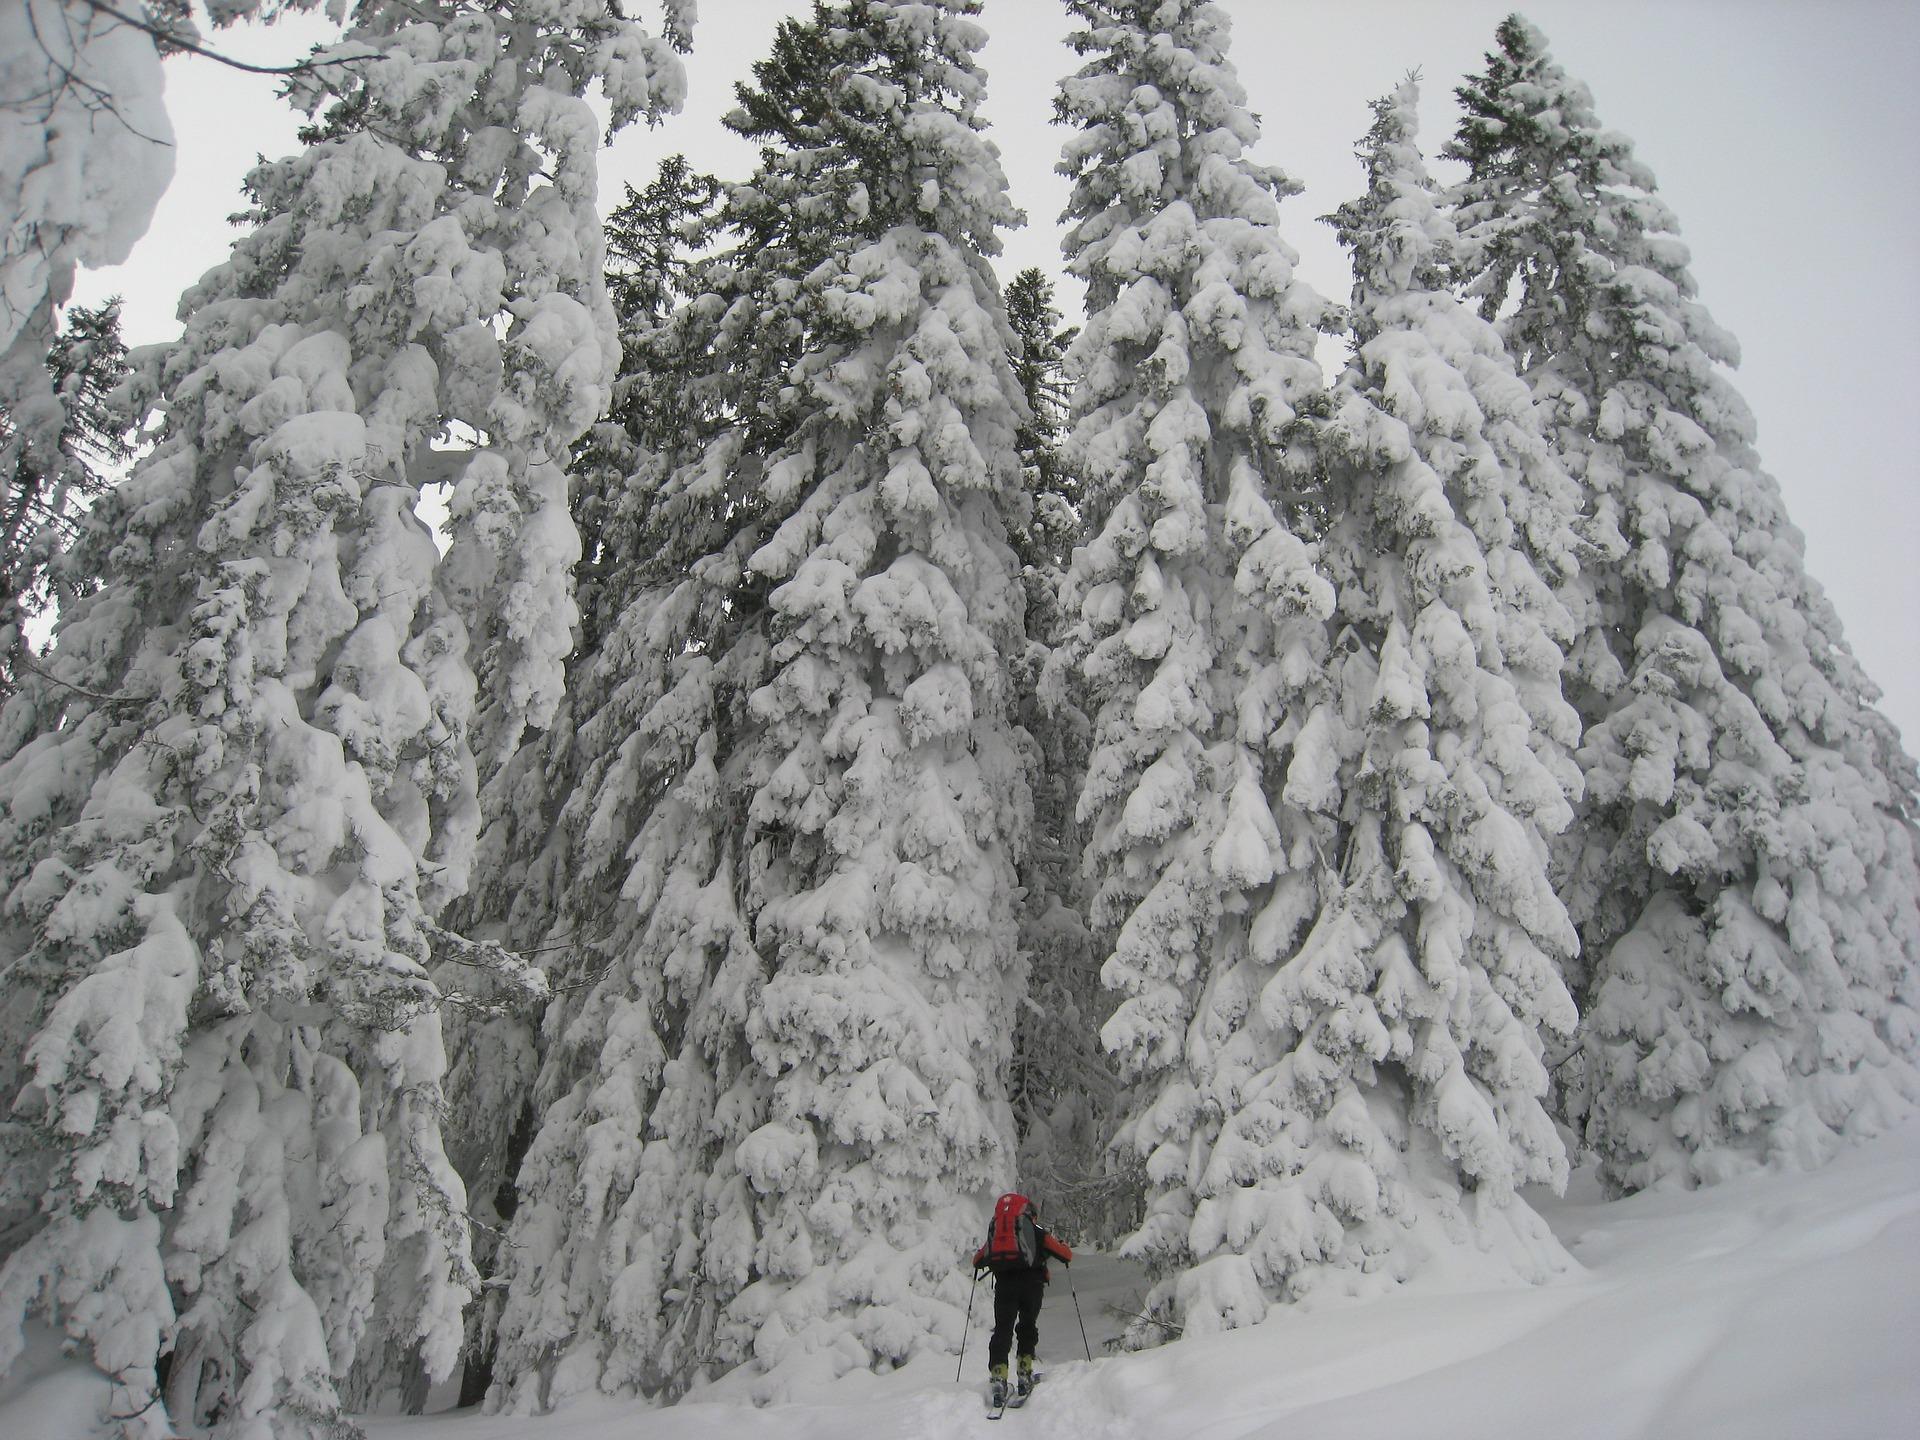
(1014, 1237)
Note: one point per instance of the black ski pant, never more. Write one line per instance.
(1016, 1312)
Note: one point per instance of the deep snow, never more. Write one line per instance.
(1780, 1307)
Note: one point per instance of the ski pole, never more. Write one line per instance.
(963, 1334)
(1076, 1312)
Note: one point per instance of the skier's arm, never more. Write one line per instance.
(1059, 1249)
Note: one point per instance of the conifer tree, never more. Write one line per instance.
(550, 865)
(636, 867)
(620, 1265)
(1064, 1091)
(1741, 872)
(1397, 1056)
(788, 1104)
(887, 798)
(1039, 364)
(1201, 615)
(233, 813)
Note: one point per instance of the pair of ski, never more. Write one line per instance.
(1012, 1399)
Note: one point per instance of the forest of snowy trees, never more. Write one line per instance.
(861, 740)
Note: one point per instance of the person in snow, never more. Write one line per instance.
(1016, 1251)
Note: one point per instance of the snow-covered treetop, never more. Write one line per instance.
(1564, 238)
(1191, 290)
(1398, 237)
(1161, 117)
(868, 119)
(1444, 372)
(830, 104)
(1568, 248)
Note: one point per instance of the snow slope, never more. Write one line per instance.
(1773, 1308)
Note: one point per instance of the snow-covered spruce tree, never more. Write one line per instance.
(621, 1259)
(887, 800)
(784, 1097)
(1201, 636)
(605, 1265)
(249, 787)
(549, 867)
(1741, 872)
(1389, 1071)
(630, 1223)
(1063, 1089)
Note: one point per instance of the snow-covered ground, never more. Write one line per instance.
(1776, 1308)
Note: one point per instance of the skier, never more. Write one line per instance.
(1016, 1251)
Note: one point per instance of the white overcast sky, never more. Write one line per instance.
(1785, 135)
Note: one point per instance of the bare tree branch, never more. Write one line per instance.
(180, 42)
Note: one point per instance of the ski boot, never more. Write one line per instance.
(997, 1387)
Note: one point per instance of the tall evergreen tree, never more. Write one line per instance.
(1741, 873)
(1397, 1057)
(617, 860)
(787, 1105)
(1201, 633)
(1064, 1090)
(234, 811)
(887, 798)
(550, 867)
(1039, 364)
